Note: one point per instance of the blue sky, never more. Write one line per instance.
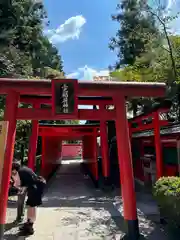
(90, 46)
(81, 31)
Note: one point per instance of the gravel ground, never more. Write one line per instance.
(74, 210)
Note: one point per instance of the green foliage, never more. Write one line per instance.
(167, 194)
(23, 131)
(126, 74)
(152, 66)
(132, 44)
(53, 73)
(46, 60)
(73, 122)
(145, 49)
(25, 53)
(128, 41)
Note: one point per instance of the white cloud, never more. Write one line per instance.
(70, 29)
(87, 73)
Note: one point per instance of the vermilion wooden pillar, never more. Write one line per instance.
(12, 101)
(42, 167)
(84, 163)
(158, 146)
(33, 142)
(83, 148)
(90, 157)
(130, 132)
(95, 159)
(60, 150)
(126, 170)
(104, 151)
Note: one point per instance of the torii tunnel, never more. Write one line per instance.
(63, 97)
(52, 137)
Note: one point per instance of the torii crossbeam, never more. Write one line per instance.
(38, 92)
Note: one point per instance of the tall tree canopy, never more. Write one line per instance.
(145, 49)
(134, 23)
(24, 50)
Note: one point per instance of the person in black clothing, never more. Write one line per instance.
(26, 180)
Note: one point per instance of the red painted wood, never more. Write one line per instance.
(90, 154)
(85, 88)
(12, 101)
(158, 146)
(95, 156)
(66, 136)
(125, 161)
(51, 148)
(33, 143)
(48, 101)
(71, 151)
(39, 114)
(104, 149)
(170, 170)
(43, 87)
(67, 131)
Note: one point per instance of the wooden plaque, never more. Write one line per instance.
(64, 98)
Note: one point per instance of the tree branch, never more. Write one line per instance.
(168, 41)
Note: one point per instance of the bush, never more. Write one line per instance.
(167, 194)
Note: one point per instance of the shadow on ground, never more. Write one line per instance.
(149, 224)
(101, 210)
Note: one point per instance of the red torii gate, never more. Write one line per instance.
(154, 124)
(38, 92)
(52, 137)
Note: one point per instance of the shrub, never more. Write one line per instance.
(167, 194)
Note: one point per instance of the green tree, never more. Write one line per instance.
(163, 21)
(159, 70)
(128, 41)
(21, 25)
(25, 53)
(45, 59)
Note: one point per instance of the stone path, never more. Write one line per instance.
(74, 210)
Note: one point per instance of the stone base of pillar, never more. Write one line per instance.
(132, 227)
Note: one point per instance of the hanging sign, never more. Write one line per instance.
(64, 98)
(3, 138)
